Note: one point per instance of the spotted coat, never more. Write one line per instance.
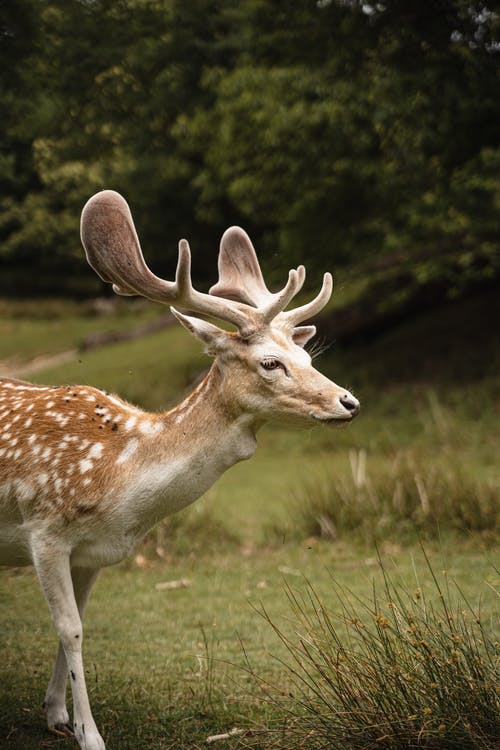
(63, 447)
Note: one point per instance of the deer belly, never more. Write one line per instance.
(102, 551)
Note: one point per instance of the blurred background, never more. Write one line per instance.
(342, 133)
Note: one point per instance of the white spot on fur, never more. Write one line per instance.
(130, 423)
(42, 479)
(95, 451)
(85, 466)
(146, 427)
(128, 451)
(25, 490)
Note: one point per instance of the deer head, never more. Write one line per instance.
(267, 372)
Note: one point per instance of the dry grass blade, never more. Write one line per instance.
(392, 671)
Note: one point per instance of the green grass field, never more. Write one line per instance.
(167, 669)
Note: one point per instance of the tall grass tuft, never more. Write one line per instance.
(405, 493)
(193, 532)
(393, 671)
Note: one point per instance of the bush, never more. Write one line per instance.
(406, 492)
(394, 671)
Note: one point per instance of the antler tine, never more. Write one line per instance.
(240, 315)
(293, 317)
(240, 277)
(183, 271)
(302, 276)
(280, 300)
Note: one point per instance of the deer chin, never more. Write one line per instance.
(338, 422)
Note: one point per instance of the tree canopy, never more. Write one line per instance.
(337, 132)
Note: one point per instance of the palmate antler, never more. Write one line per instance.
(240, 278)
(240, 297)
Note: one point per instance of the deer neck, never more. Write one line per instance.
(193, 444)
(208, 423)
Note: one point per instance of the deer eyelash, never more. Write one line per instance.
(271, 364)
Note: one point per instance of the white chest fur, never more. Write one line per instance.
(157, 489)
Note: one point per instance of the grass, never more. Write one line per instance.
(32, 328)
(404, 494)
(393, 670)
(167, 669)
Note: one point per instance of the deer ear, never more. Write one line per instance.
(302, 334)
(214, 338)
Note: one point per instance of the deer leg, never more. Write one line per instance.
(54, 704)
(53, 568)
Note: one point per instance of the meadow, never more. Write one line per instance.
(321, 530)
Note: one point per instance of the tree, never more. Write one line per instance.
(364, 134)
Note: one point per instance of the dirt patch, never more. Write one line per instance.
(14, 369)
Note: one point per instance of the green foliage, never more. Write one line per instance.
(329, 129)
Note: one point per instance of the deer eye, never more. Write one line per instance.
(271, 364)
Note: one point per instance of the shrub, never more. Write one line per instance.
(406, 492)
(394, 671)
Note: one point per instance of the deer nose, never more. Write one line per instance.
(350, 403)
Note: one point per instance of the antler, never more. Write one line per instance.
(113, 250)
(240, 278)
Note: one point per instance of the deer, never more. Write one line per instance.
(85, 475)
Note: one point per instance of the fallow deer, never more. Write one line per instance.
(84, 475)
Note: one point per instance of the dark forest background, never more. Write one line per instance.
(358, 137)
